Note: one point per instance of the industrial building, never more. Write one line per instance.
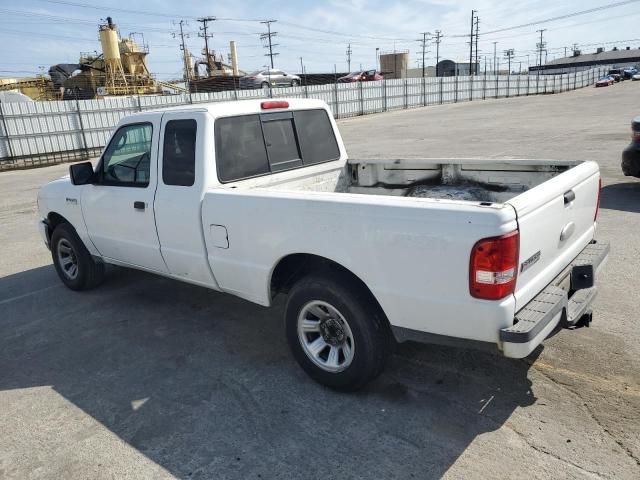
(579, 61)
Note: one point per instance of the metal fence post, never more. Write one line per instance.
(139, 103)
(441, 88)
(361, 99)
(424, 91)
(484, 84)
(518, 88)
(528, 82)
(508, 83)
(497, 79)
(470, 88)
(384, 94)
(406, 99)
(575, 73)
(84, 136)
(456, 97)
(6, 133)
(335, 98)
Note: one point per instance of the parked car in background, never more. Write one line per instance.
(636, 76)
(270, 77)
(631, 154)
(617, 74)
(364, 76)
(629, 72)
(605, 81)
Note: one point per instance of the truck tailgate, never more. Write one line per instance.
(556, 221)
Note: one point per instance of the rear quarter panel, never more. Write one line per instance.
(413, 253)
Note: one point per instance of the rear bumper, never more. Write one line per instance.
(562, 303)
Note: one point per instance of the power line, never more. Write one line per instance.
(559, 17)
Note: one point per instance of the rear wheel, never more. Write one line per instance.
(73, 262)
(336, 332)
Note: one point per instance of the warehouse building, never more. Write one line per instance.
(616, 57)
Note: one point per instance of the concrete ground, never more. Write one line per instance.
(150, 378)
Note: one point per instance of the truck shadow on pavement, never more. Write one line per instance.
(203, 384)
(621, 196)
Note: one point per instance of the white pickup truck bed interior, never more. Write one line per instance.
(476, 180)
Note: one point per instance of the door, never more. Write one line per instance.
(118, 209)
(181, 183)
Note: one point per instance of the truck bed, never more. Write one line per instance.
(474, 180)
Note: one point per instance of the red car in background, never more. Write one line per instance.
(605, 81)
(364, 76)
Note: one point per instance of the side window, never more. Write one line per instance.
(281, 142)
(127, 159)
(179, 153)
(240, 150)
(317, 139)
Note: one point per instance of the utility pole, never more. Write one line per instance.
(565, 52)
(301, 66)
(438, 40)
(185, 54)
(477, 35)
(509, 54)
(268, 36)
(207, 36)
(541, 46)
(423, 42)
(494, 58)
(349, 51)
(473, 17)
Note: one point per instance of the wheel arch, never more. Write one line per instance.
(53, 220)
(291, 268)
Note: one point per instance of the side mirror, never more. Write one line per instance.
(81, 173)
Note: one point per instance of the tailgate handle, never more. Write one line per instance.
(569, 197)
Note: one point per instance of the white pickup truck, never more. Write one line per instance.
(258, 198)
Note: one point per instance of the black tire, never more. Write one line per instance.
(295, 83)
(89, 272)
(368, 325)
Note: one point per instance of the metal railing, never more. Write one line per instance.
(44, 133)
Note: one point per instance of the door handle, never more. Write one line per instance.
(569, 197)
(138, 205)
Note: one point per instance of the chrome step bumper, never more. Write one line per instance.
(554, 305)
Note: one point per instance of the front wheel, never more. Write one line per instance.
(336, 332)
(73, 262)
(295, 83)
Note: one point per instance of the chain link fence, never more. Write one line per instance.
(45, 133)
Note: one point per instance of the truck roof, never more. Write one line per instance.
(238, 107)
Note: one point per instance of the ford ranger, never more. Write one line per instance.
(259, 198)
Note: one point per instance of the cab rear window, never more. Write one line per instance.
(254, 145)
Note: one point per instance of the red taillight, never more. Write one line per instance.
(274, 104)
(494, 266)
(598, 202)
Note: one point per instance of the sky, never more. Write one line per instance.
(35, 34)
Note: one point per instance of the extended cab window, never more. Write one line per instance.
(179, 153)
(253, 145)
(127, 159)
